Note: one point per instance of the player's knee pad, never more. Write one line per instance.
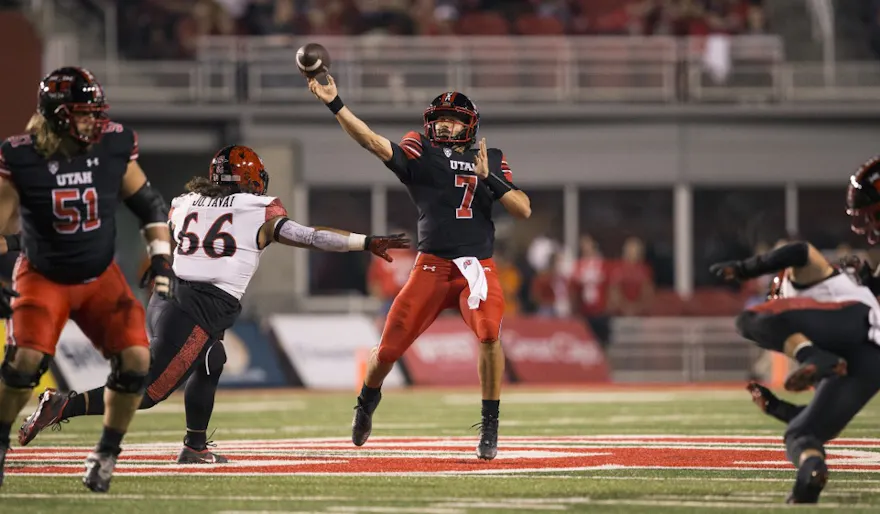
(16, 379)
(125, 382)
(766, 330)
(796, 444)
(215, 359)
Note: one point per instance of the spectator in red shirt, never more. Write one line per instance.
(631, 285)
(589, 286)
(550, 289)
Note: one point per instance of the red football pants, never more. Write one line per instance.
(435, 285)
(104, 308)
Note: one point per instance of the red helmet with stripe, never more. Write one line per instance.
(240, 169)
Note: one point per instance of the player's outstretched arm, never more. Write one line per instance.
(353, 126)
(149, 206)
(807, 263)
(288, 232)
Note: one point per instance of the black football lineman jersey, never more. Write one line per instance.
(68, 206)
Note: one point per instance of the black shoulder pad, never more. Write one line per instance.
(121, 140)
(15, 151)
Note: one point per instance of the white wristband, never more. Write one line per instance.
(356, 242)
(158, 247)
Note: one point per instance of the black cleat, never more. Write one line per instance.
(3, 450)
(811, 479)
(362, 424)
(99, 471)
(487, 449)
(821, 365)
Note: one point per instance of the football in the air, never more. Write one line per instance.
(312, 60)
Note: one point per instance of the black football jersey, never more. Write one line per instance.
(455, 206)
(68, 206)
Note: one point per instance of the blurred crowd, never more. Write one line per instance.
(546, 282)
(168, 29)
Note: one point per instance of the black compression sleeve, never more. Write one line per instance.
(790, 255)
(148, 205)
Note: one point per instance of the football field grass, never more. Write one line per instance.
(620, 449)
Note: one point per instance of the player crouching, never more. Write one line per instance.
(830, 323)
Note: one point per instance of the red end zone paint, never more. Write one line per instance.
(456, 456)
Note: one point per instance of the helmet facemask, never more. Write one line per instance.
(65, 121)
(466, 136)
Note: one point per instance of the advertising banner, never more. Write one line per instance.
(538, 351)
(77, 365)
(251, 359)
(329, 351)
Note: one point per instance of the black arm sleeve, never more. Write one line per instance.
(399, 163)
(790, 255)
(148, 205)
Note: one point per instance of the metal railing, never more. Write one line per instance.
(538, 70)
(679, 349)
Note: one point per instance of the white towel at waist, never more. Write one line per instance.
(473, 272)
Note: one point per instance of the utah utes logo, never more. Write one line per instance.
(448, 97)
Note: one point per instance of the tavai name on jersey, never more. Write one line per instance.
(204, 201)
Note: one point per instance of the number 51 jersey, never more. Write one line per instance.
(217, 238)
(68, 205)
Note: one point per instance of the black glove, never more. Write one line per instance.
(379, 245)
(160, 272)
(863, 270)
(6, 296)
(729, 270)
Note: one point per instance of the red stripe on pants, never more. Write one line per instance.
(179, 365)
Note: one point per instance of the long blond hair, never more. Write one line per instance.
(46, 141)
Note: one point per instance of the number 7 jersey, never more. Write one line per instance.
(455, 207)
(217, 238)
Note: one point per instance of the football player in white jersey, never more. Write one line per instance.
(822, 316)
(221, 227)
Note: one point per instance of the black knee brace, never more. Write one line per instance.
(215, 359)
(796, 444)
(766, 330)
(15, 379)
(126, 382)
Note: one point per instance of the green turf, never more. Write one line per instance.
(544, 412)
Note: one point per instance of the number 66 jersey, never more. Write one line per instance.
(217, 237)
